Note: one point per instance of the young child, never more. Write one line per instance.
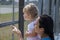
(30, 14)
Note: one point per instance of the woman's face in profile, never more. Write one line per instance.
(37, 26)
(37, 29)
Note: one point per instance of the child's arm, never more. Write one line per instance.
(32, 34)
(17, 31)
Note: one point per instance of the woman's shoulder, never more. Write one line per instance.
(46, 38)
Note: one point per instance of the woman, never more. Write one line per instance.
(44, 27)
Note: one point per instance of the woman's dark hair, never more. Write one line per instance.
(46, 22)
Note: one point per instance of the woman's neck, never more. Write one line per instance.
(43, 35)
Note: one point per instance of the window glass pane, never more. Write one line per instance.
(57, 34)
(6, 11)
(30, 0)
(16, 9)
(6, 33)
(33, 0)
(59, 13)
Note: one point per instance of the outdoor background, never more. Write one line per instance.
(6, 15)
(9, 12)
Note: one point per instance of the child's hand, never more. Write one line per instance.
(15, 30)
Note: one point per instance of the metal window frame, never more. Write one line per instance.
(21, 19)
(10, 22)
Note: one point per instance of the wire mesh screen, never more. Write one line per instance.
(9, 11)
(6, 33)
(5, 13)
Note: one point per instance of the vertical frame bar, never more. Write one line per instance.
(40, 6)
(13, 11)
(53, 14)
(13, 20)
(21, 20)
(57, 15)
(46, 6)
(50, 5)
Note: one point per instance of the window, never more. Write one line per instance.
(9, 11)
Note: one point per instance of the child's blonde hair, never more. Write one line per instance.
(32, 9)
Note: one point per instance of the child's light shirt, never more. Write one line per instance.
(30, 29)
